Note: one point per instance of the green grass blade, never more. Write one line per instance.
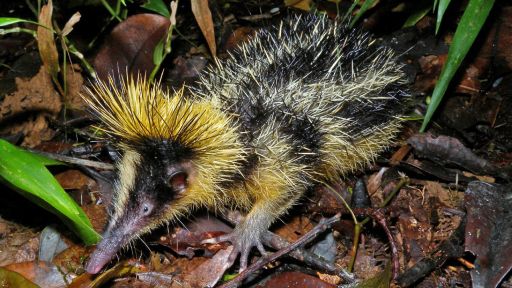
(157, 6)
(470, 24)
(5, 21)
(27, 173)
(366, 5)
(416, 16)
(443, 5)
(114, 13)
(158, 53)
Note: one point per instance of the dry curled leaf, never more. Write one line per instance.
(46, 41)
(299, 4)
(488, 232)
(209, 272)
(184, 242)
(204, 19)
(42, 273)
(449, 150)
(129, 47)
(71, 22)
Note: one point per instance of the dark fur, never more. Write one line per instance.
(311, 66)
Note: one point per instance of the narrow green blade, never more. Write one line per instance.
(27, 173)
(470, 24)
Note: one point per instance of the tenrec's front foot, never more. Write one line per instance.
(243, 241)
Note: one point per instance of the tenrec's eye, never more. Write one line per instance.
(178, 182)
(146, 209)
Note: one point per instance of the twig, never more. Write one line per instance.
(74, 161)
(310, 235)
(68, 126)
(358, 226)
(277, 242)
(256, 18)
(379, 216)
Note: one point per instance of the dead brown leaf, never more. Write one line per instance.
(46, 41)
(185, 242)
(42, 273)
(399, 155)
(329, 200)
(209, 272)
(68, 27)
(331, 279)
(239, 36)
(375, 181)
(299, 4)
(295, 228)
(488, 231)
(73, 179)
(449, 151)
(294, 279)
(129, 47)
(204, 19)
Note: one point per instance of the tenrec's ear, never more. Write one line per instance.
(178, 182)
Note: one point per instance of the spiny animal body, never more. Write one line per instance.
(299, 104)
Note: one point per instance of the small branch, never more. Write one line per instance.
(379, 216)
(74, 161)
(310, 235)
(67, 126)
(257, 17)
(307, 257)
(403, 181)
(277, 242)
(375, 214)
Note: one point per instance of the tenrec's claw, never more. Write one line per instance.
(242, 244)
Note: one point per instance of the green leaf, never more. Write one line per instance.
(470, 24)
(443, 5)
(157, 6)
(158, 53)
(27, 173)
(14, 279)
(366, 5)
(163, 47)
(381, 280)
(4, 21)
(416, 16)
(228, 277)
